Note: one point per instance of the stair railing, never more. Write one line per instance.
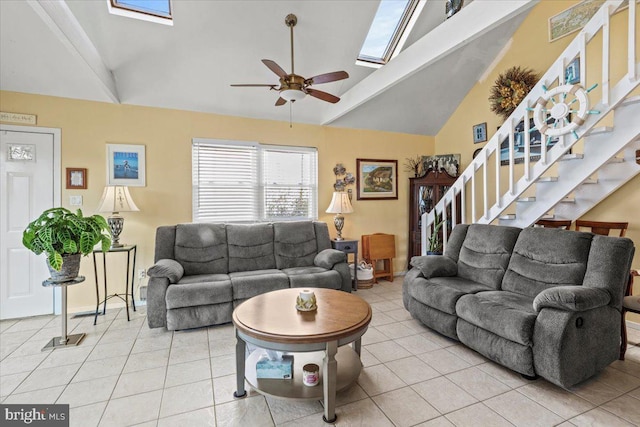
(477, 173)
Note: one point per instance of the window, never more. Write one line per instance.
(147, 10)
(249, 182)
(389, 30)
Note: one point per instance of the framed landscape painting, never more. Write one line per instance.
(572, 19)
(126, 165)
(377, 179)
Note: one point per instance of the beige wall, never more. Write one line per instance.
(88, 126)
(530, 49)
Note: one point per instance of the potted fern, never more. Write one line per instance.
(64, 236)
(435, 245)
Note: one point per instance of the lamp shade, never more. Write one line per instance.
(340, 204)
(116, 198)
(292, 95)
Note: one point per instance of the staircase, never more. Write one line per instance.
(588, 162)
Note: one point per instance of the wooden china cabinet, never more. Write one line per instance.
(425, 192)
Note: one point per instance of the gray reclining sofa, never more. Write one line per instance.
(203, 271)
(539, 301)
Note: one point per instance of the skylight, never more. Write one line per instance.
(389, 30)
(148, 10)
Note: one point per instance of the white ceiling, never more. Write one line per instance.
(212, 44)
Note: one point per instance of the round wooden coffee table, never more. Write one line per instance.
(271, 321)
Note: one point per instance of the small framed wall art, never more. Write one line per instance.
(76, 179)
(480, 133)
(126, 165)
(377, 179)
(572, 72)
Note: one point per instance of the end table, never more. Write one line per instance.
(349, 247)
(63, 340)
(129, 250)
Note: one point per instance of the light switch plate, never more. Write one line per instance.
(75, 200)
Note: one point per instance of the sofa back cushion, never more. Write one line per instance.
(202, 248)
(485, 253)
(295, 244)
(547, 257)
(250, 247)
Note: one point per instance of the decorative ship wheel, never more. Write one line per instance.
(555, 117)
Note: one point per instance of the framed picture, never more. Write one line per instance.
(572, 19)
(76, 179)
(126, 165)
(476, 152)
(480, 133)
(377, 179)
(447, 162)
(518, 149)
(572, 72)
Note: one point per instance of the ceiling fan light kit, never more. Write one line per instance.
(294, 87)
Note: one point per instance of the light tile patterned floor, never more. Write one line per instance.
(124, 374)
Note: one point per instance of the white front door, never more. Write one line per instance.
(27, 188)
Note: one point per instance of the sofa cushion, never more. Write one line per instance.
(547, 257)
(294, 244)
(442, 293)
(506, 314)
(247, 284)
(202, 248)
(329, 257)
(313, 277)
(250, 247)
(169, 268)
(202, 289)
(435, 265)
(485, 253)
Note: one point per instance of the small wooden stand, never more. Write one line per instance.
(380, 247)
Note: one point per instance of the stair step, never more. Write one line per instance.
(599, 130)
(615, 160)
(631, 100)
(572, 156)
(548, 216)
(568, 200)
(508, 217)
(527, 199)
(548, 179)
(590, 181)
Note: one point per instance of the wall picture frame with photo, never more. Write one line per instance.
(447, 162)
(480, 133)
(76, 178)
(126, 165)
(376, 179)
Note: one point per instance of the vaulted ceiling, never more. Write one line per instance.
(77, 49)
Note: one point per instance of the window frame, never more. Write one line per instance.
(259, 205)
(116, 8)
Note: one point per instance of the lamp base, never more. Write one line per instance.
(338, 221)
(116, 223)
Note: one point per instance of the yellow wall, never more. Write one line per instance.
(88, 126)
(530, 49)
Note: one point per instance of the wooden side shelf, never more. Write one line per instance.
(380, 247)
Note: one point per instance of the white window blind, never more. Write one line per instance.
(249, 182)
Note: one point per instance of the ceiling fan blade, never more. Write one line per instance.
(323, 95)
(254, 85)
(280, 101)
(328, 77)
(274, 67)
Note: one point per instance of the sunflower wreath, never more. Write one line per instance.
(510, 89)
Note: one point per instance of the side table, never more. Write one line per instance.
(349, 247)
(129, 250)
(63, 340)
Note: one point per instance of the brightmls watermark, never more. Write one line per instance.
(34, 415)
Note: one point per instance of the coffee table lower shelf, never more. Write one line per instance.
(349, 367)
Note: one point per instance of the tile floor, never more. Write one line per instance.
(124, 373)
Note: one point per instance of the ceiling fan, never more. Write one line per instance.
(294, 87)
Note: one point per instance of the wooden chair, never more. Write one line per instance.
(601, 227)
(554, 223)
(380, 247)
(630, 303)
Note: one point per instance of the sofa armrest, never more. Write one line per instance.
(167, 268)
(327, 258)
(571, 298)
(156, 302)
(435, 266)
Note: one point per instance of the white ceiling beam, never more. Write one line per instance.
(474, 20)
(64, 25)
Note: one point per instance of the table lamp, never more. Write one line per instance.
(339, 204)
(116, 199)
